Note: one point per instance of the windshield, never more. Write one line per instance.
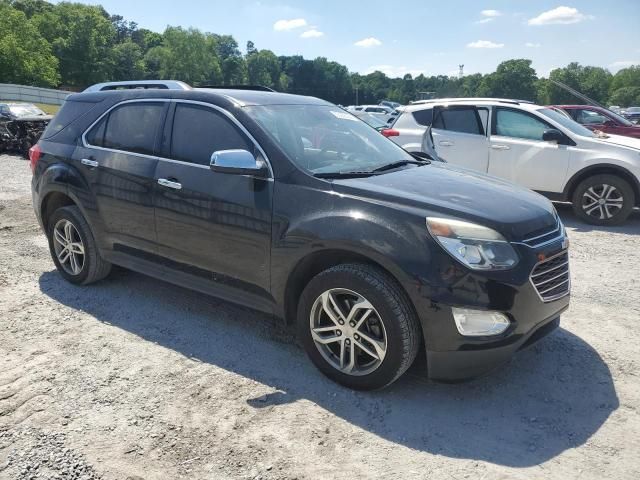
(25, 110)
(566, 122)
(326, 139)
(633, 109)
(369, 119)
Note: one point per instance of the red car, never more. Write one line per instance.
(597, 118)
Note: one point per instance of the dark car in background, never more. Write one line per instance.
(632, 114)
(602, 119)
(292, 206)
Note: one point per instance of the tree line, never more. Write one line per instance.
(72, 45)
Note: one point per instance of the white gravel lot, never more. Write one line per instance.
(133, 378)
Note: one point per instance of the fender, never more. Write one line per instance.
(601, 168)
(65, 179)
(371, 240)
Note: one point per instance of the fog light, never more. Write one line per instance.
(479, 323)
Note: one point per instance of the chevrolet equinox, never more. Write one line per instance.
(290, 205)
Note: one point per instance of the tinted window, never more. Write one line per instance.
(200, 131)
(131, 127)
(463, 120)
(511, 123)
(423, 117)
(69, 112)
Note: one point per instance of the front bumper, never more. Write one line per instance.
(454, 357)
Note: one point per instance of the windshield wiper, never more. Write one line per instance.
(400, 163)
(346, 174)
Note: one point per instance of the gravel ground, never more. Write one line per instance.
(133, 378)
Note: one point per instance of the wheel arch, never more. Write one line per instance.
(51, 202)
(602, 169)
(314, 263)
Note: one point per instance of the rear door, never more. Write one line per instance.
(211, 224)
(118, 160)
(518, 153)
(459, 135)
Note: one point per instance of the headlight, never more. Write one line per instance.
(478, 247)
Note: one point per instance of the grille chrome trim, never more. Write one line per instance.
(558, 285)
(556, 233)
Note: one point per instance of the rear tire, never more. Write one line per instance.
(603, 200)
(73, 248)
(371, 331)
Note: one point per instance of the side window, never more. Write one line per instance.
(131, 127)
(199, 131)
(423, 117)
(589, 117)
(459, 119)
(512, 123)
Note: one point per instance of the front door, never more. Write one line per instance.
(212, 224)
(117, 160)
(459, 136)
(518, 153)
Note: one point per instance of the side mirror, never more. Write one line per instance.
(240, 162)
(553, 135)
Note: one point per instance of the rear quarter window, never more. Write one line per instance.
(68, 113)
(423, 117)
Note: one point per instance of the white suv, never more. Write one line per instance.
(534, 146)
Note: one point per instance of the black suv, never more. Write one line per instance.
(290, 205)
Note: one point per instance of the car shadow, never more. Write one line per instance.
(630, 226)
(552, 397)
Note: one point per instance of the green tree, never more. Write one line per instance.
(25, 57)
(263, 68)
(626, 97)
(187, 55)
(82, 37)
(128, 61)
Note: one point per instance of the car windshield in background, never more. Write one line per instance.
(620, 119)
(326, 139)
(566, 122)
(26, 110)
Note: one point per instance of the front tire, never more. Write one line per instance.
(603, 200)
(358, 327)
(73, 248)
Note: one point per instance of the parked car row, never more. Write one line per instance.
(293, 206)
(534, 146)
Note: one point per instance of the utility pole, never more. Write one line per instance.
(357, 101)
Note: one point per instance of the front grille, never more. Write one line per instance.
(551, 277)
(547, 235)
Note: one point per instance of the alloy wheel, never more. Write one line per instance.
(68, 247)
(602, 201)
(348, 331)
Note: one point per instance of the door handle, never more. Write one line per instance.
(446, 143)
(169, 183)
(501, 147)
(89, 163)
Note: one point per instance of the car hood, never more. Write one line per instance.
(629, 142)
(440, 189)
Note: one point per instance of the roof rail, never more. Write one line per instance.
(470, 99)
(139, 85)
(259, 88)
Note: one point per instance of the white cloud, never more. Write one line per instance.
(313, 33)
(485, 44)
(615, 66)
(284, 25)
(368, 42)
(491, 13)
(559, 15)
(485, 20)
(532, 45)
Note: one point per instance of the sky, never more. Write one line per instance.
(413, 36)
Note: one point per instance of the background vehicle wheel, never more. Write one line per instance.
(73, 248)
(603, 200)
(357, 326)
